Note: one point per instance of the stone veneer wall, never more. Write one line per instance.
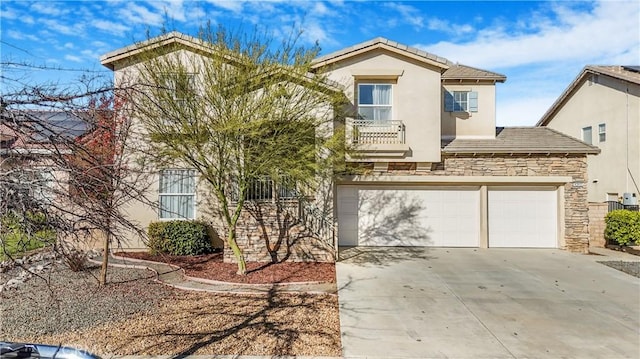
(597, 212)
(265, 232)
(264, 228)
(575, 166)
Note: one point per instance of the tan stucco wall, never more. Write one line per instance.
(617, 104)
(480, 124)
(416, 97)
(143, 211)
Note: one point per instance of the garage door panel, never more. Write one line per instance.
(523, 218)
(408, 216)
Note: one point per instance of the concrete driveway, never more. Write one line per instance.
(485, 303)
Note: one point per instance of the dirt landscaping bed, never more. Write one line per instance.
(210, 266)
(135, 315)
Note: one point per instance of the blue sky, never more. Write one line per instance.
(540, 46)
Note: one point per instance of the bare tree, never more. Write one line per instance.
(62, 167)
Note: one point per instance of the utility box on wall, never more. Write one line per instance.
(629, 199)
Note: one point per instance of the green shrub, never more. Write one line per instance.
(623, 227)
(179, 238)
(19, 234)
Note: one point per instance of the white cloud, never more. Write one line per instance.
(109, 26)
(542, 52)
(9, 14)
(59, 27)
(49, 8)
(233, 6)
(313, 31)
(17, 35)
(609, 29)
(410, 15)
(91, 54)
(73, 58)
(138, 14)
(99, 44)
(174, 9)
(68, 45)
(447, 27)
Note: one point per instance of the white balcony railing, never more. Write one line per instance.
(365, 132)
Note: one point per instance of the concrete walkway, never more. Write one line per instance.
(486, 303)
(175, 277)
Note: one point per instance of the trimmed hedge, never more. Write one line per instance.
(623, 227)
(180, 238)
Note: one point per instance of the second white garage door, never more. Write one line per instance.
(408, 216)
(523, 217)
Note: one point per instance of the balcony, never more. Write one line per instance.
(377, 139)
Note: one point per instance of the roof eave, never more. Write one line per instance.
(110, 59)
(380, 43)
(521, 152)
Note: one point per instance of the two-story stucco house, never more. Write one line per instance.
(439, 171)
(602, 107)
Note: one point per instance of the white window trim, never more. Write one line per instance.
(390, 106)
(470, 101)
(466, 101)
(602, 131)
(195, 195)
(582, 135)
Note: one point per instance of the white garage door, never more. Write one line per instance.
(523, 217)
(408, 216)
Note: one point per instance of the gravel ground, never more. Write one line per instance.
(632, 268)
(63, 300)
(136, 316)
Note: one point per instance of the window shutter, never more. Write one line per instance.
(448, 101)
(473, 101)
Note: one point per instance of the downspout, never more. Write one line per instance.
(635, 184)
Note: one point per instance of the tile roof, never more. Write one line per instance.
(460, 72)
(32, 129)
(521, 140)
(619, 72)
(624, 73)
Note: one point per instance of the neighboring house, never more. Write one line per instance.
(31, 145)
(602, 107)
(439, 171)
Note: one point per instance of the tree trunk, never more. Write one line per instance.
(242, 265)
(105, 257)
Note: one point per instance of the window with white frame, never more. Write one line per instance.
(587, 135)
(374, 102)
(181, 85)
(177, 194)
(602, 132)
(44, 186)
(461, 101)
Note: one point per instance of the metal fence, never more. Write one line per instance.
(615, 205)
(318, 222)
(263, 188)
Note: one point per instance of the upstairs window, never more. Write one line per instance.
(177, 194)
(602, 132)
(587, 135)
(461, 101)
(180, 85)
(374, 102)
